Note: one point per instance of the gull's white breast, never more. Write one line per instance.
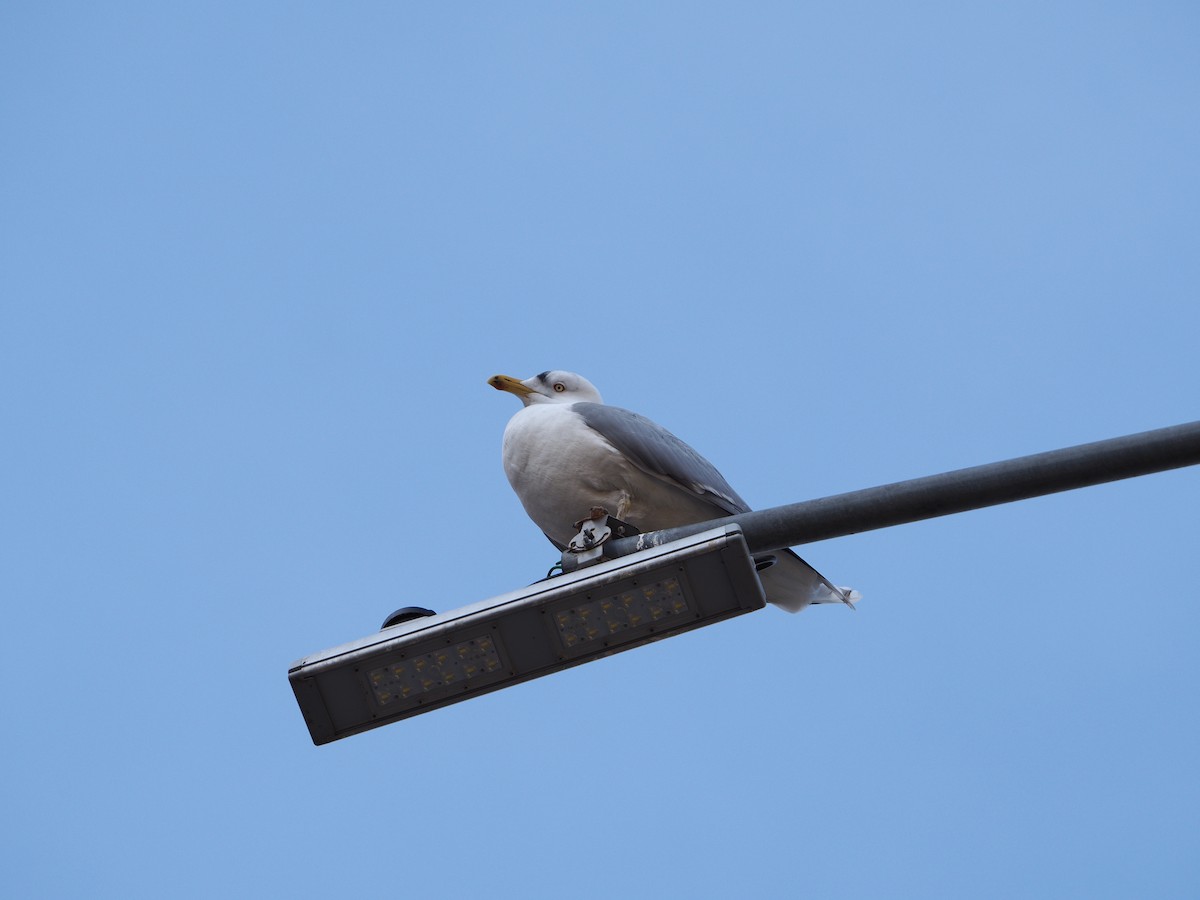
(560, 468)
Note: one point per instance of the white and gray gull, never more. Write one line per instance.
(566, 452)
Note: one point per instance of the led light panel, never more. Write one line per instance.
(457, 666)
(640, 607)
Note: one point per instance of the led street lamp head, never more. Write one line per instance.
(428, 661)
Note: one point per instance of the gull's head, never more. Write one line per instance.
(555, 386)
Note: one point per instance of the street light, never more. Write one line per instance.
(432, 661)
(661, 583)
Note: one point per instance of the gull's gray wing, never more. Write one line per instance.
(653, 449)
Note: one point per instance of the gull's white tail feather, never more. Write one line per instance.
(793, 584)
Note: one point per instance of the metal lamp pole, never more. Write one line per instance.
(950, 492)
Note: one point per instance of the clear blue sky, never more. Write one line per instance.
(258, 260)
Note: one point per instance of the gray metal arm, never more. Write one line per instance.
(950, 492)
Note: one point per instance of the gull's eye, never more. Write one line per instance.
(559, 387)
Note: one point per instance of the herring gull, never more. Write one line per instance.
(566, 452)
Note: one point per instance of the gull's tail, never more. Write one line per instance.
(793, 584)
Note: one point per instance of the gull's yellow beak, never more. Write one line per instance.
(510, 384)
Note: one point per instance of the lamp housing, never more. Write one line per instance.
(428, 662)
